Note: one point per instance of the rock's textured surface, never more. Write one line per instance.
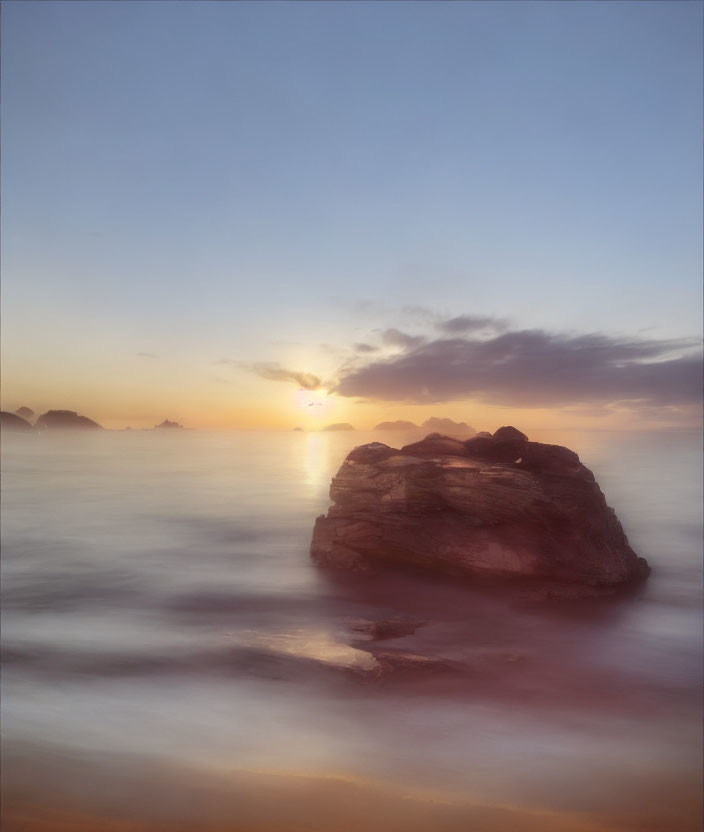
(498, 505)
(65, 419)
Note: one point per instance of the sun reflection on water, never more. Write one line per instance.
(315, 460)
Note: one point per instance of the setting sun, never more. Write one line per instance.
(313, 402)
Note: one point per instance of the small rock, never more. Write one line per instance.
(386, 628)
(508, 432)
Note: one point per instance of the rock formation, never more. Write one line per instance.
(65, 419)
(25, 413)
(166, 424)
(13, 422)
(492, 505)
(399, 424)
(448, 426)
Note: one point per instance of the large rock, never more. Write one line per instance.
(65, 419)
(499, 505)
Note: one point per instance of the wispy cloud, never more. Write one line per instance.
(471, 323)
(274, 372)
(146, 355)
(530, 368)
(396, 338)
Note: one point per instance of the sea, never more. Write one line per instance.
(173, 660)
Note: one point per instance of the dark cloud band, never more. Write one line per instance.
(532, 368)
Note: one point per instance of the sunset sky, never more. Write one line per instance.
(264, 215)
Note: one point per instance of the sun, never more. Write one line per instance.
(313, 402)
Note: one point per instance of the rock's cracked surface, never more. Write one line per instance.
(499, 505)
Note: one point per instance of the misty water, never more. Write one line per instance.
(161, 615)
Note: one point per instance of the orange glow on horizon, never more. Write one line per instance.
(257, 404)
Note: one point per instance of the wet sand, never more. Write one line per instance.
(59, 791)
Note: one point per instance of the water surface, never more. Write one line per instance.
(160, 611)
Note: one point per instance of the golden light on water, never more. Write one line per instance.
(315, 459)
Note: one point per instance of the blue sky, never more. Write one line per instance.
(209, 180)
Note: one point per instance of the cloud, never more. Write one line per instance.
(331, 349)
(396, 338)
(365, 348)
(146, 355)
(596, 411)
(532, 368)
(274, 372)
(470, 323)
(419, 314)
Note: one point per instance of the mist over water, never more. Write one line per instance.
(159, 605)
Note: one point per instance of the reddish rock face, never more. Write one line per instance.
(433, 445)
(493, 506)
(508, 432)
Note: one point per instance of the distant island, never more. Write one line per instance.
(449, 427)
(13, 422)
(65, 420)
(22, 418)
(399, 424)
(446, 426)
(25, 413)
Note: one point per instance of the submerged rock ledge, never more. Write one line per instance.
(495, 505)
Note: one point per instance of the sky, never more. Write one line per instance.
(268, 215)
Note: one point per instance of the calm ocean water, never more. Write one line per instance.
(159, 603)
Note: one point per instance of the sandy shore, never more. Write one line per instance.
(57, 791)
